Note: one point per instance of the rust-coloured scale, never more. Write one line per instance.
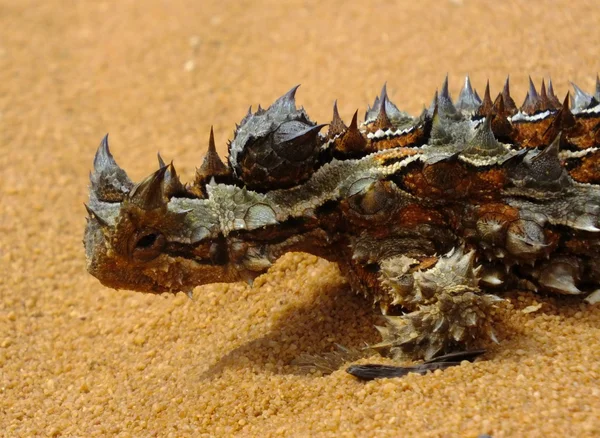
(431, 216)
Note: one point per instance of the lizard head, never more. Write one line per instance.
(161, 236)
(153, 236)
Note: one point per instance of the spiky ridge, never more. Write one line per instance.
(509, 195)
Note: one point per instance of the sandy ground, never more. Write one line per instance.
(77, 359)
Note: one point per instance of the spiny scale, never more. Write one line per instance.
(431, 215)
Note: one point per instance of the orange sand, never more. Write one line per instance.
(77, 359)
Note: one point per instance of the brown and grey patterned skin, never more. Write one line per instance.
(432, 215)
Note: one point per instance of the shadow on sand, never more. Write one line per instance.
(335, 316)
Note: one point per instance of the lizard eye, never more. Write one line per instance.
(148, 246)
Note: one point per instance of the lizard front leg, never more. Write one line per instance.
(392, 257)
(447, 309)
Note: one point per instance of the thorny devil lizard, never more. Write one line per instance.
(430, 215)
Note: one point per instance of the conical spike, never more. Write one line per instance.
(485, 109)
(485, 135)
(467, 99)
(171, 170)
(337, 125)
(500, 125)
(439, 134)
(548, 100)
(445, 105)
(563, 121)
(433, 103)
(561, 277)
(150, 193)
(498, 106)
(526, 106)
(532, 103)
(303, 136)
(104, 162)
(566, 100)
(532, 91)
(103, 158)
(445, 93)
(435, 117)
(566, 119)
(212, 164)
(544, 169)
(544, 101)
(351, 141)
(552, 97)
(109, 182)
(372, 111)
(580, 100)
(376, 103)
(391, 109)
(550, 152)
(382, 121)
(161, 162)
(212, 148)
(383, 94)
(172, 184)
(354, 123)
(287, 102)
(291, 95)
(93, 215)
(484, 142)
(509, 103)
(550, 87)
